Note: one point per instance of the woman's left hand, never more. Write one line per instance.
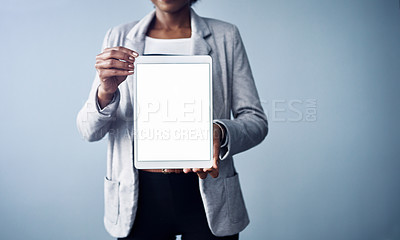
(213, 171)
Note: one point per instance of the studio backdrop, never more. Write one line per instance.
(328, 76)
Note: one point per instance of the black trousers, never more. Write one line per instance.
(170, 205)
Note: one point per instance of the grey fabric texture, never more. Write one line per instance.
(234, 94)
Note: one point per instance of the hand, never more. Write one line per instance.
(113, 66)
(213, 171)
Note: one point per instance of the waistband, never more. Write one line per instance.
(165, 171)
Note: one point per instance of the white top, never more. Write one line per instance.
(179, 46)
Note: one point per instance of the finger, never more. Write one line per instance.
(214, 166)
(115, 54)
(214, 173)
(107, 73)
(215, 158)
(115, 64)
(187, 170)
(123, 49)
(202, 175)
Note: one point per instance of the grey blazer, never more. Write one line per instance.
(234, 92)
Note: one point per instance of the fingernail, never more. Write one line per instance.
(131, 58)
(131, 66)
(135, 54)
(130, 71)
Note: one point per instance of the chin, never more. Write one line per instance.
(170, 6)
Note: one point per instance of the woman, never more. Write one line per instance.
(149, 204)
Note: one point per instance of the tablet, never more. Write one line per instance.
(173, 112)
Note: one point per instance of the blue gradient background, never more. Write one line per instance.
(336, 177)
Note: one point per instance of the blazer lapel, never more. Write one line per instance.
(136, 36)
(202, 38)
(200, 32)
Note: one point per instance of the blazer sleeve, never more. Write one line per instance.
(93, 123)
(249, 126)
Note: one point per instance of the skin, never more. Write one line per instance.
(115, 64)
(172, 19)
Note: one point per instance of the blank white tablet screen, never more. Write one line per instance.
(173, 118)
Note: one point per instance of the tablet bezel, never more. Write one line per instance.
(166, 164)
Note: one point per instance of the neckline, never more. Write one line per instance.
(168, 39)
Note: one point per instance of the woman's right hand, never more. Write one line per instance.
(113, 66)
